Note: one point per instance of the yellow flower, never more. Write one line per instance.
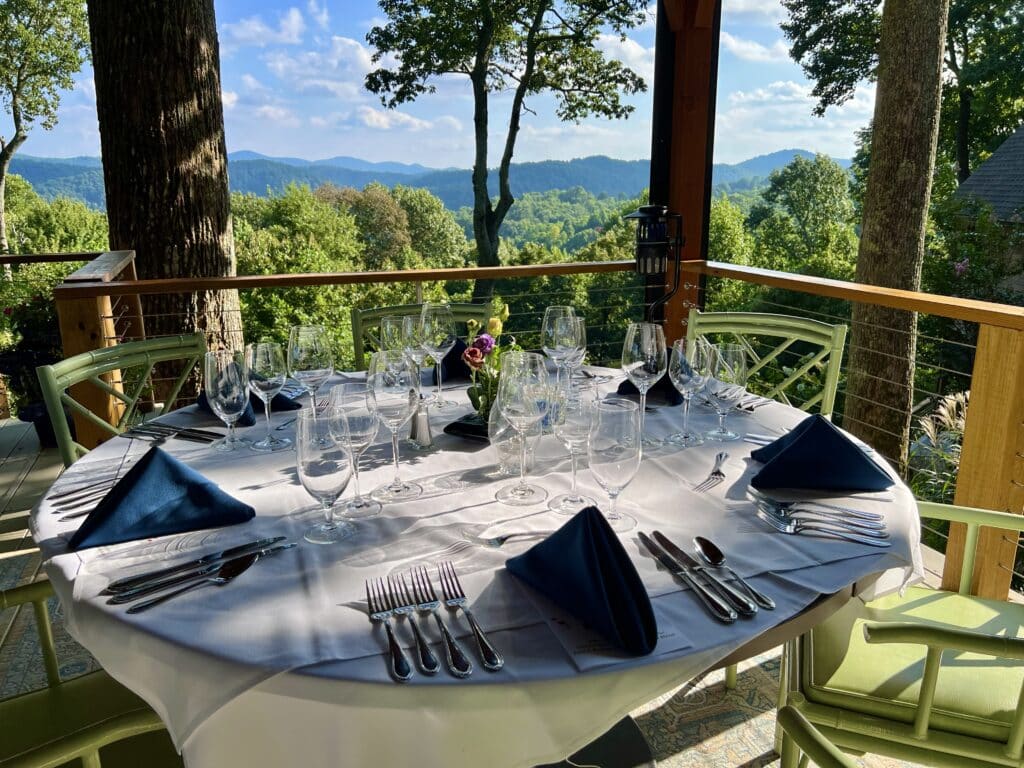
(494, 327)
(472, 326)
(503, 315)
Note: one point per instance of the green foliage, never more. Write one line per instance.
(730, 241)
(935, 450)
(434, 233)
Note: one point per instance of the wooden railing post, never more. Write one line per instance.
(87, 324)
(991, 474)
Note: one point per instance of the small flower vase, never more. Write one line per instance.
(508, 444)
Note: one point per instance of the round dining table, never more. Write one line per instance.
(284, 667)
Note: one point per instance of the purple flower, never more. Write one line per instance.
(961, 267)
(484, 342)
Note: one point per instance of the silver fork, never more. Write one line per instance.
(427, 602)
(319, 405)
(454, 599)
(379, 608)
(716, 477)
(402, 603)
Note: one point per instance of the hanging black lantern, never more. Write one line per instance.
(655, 244)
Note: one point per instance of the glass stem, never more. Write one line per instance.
(522, 459)
(266, 410)
(614, 499)
(394, 453)
(440, 398)
(312, 406)
(643, 410)
(355, 475)
(231, 433)
(572, 460)
(721, 421)
(328, 512)
(686, 413)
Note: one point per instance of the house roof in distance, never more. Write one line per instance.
(999, 181)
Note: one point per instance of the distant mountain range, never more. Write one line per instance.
(82, 177)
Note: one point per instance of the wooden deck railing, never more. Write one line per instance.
(991, 473)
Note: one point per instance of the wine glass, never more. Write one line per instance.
(523, 396)
(575, 359)
(310, 361)
(264, 361)
(324, 466)
(354, 400)
(553, 336)
(644, 360)
(390, 333)
(227, 391)
(725, 380)
(393, 383)
(687, 381)
(412, 343)
(614, 450)
(438, 339)
(572, 428)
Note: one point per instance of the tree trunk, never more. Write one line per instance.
(484, 232)
(158, 98)
(4, 246)
(884, 341)
(963, 133)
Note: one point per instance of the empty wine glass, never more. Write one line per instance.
(310, 361)
(265, 364)
(393, 381)
(412, 343)
(687, 381)
(391, 332)
(572, 427)
(324, 467)
(353, 399)
(227, 390)
(575, 360)
(438, 339)
(615, 452)
(644, 360)
(725, 379)
(523, 396)
(553, 337)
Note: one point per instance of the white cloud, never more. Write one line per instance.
(629, 52)
(252, 84)
(255, 31)
(318, 13)
(229, 99)
(768, 12)
(389, 119)
(276, 114)
(751, 50)
(337, 71)
(780, 91)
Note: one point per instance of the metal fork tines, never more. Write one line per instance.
(454, 599)
(427, 602)
(379, 607)
(403, 605)
(716, 477)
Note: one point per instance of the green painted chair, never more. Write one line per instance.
(135, 360)
(807, 745)
(930, 676)
(366, 323)
(92, 718)
(784, 331)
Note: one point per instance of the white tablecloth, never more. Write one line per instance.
(284, 663)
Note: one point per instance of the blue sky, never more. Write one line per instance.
(292, 74)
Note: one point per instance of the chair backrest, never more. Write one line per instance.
(135, 361)
(37, 593)
(366, 323)
(767, 337)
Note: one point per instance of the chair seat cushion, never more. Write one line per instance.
(76, 706)
(976, 695)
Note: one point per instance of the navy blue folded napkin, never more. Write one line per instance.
(158, 496)
(278, 403)
(452, 366)
(817, 455)
(469, 427)
(662, 388)
(584, 569)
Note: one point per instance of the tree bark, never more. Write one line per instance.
(884, 341)
(158, 98)
(6, 153)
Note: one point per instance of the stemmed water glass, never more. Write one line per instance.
(523, 397)
(687, 381)
(310, 361)
(227, 391)
(572, 427)
(391, 332)
(438, 339)
(724, 367)
(412, 344)
(575, 359)
(644, 360)
(354, 400)
(393, 383)
(615, 452)
(265, 364)
(553, 334)
(324, 466)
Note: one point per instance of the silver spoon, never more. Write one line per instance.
(715, 557)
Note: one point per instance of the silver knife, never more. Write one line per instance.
(131, 595)
(225, 573)
(739, 601)
(139, 580)
(712, 602)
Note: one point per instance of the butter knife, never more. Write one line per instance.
(712, 602)
(139, 580)
(737, 600)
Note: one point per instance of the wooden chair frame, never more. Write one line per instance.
(366, 322)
